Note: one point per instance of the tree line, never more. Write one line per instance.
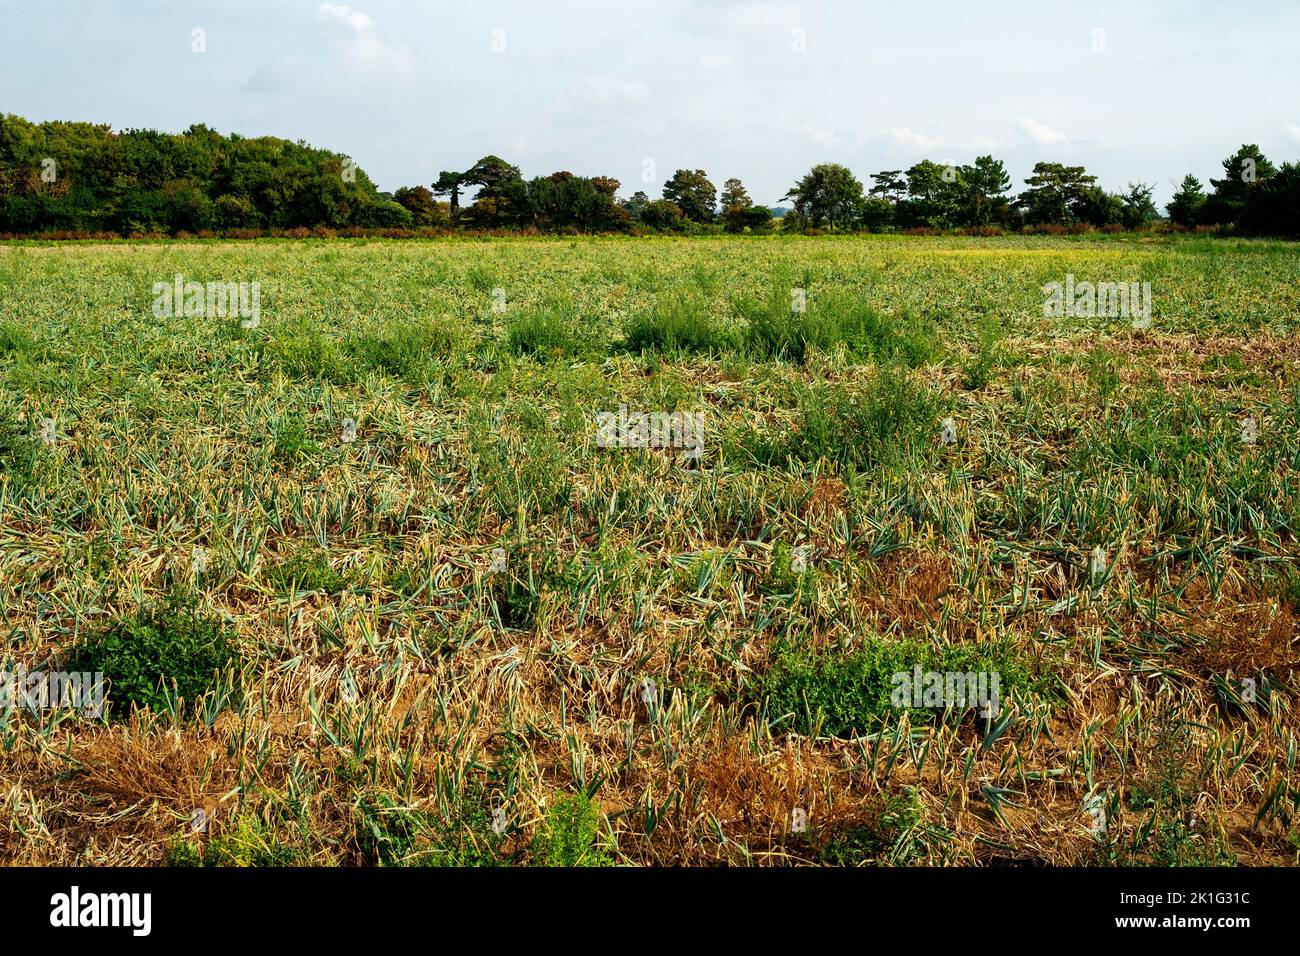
(1253, 197)
(77, 178)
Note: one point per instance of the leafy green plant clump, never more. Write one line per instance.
(167, 650)
(886, 838)
(248, 843)
(308, 571)
(847, 695)
(569, 835)
(292, 442)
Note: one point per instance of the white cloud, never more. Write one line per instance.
(361, 48)
(355, 19)
(1039, 133)
(822, 137)
(1292, 130)
(714, 61)
(908, 139)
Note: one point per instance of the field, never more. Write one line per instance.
(473, 635)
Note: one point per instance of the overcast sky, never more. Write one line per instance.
(759, 90)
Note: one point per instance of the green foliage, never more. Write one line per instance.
(1272, 207)
(146, 181)
(389, 833)
(777, 329)
(692, 193)
(569, 835)
(515, 594)
(303, 349)
(307, 570)
(424, 209)
(739, 212)
(1165, 795)
(681, 325)
(1057, 194)
(892, 419)
(1184, 460)
(663, 214)
(168, 649)
(1139, 208)
(845, 695)
(563, 201)
(734, 201)
(15, 340)
(291, 442)
(1185, 208)
(182, 852)
(413, 351)
(829, 194)
(546, 332)
(19, 448)
(983, 187)
(936, 196)
(383, 214)
(978, 370)
(521, 456)
(1244, 172)
(756, 218)
(884, 840)
(248, 843)
(797, 588)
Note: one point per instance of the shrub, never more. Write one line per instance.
(848, 695)
(663, 214)
(290, 441)
(169, 649)
(568, 835)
